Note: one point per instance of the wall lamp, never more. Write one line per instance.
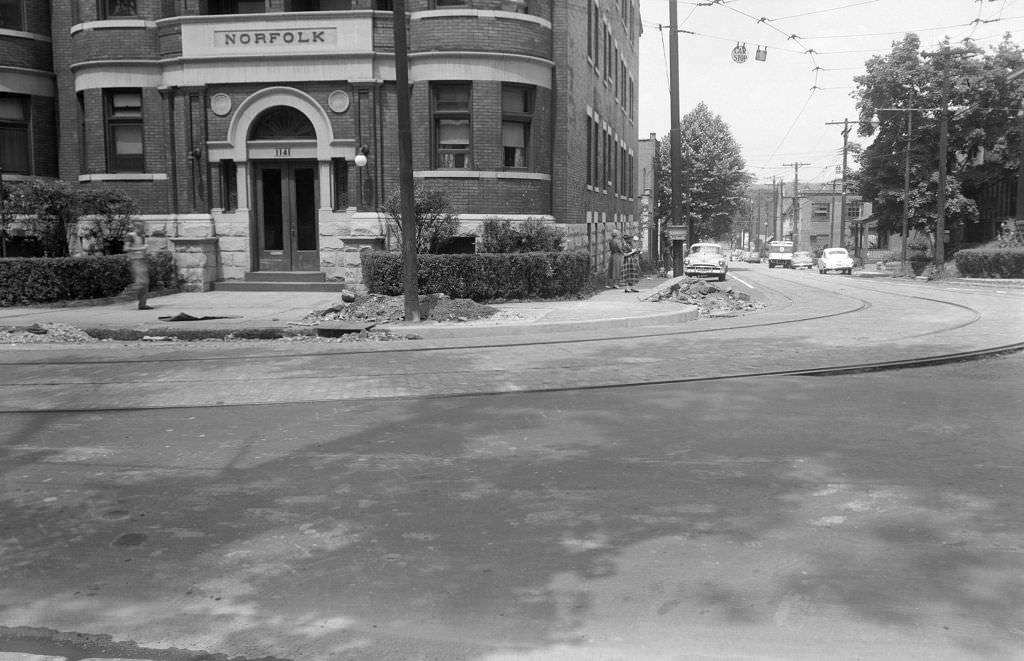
(361, 156)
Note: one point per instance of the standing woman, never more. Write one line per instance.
(631, 264)
(614, 260)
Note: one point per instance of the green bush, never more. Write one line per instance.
(532, 235)
(483, 276)
(47, 280)
(990, 262)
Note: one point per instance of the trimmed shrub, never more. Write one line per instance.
(46, 280)
(990, 262)
(483, 276)
(532, 235)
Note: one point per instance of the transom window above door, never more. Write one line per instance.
(282, 122)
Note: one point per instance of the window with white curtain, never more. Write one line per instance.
(452, 126)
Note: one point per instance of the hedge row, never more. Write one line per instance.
(50, 279)
(990, 262)
(482, 276)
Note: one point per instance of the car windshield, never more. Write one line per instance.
(836, 251)
(802, 254)
(712, 250)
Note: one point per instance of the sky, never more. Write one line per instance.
(779, 109)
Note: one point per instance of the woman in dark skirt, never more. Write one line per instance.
(614, 260)
(631, 264)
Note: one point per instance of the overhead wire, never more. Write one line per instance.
(812, 53)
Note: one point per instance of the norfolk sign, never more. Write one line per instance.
(275, 37)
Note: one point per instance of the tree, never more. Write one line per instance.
(436, 223)
(714, 175)
(972, 86)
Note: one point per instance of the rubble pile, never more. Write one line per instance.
(711, 299)
(48, 333)
(381, 309)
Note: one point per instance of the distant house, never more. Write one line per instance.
(818, 222)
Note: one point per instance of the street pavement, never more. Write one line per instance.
(609, 314)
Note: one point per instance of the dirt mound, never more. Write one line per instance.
(380, 309)
(712, 300)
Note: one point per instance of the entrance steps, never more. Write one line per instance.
(299, 281)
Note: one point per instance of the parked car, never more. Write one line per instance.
(835, 259)
(705, 259)
(803, 260)
(752, 258)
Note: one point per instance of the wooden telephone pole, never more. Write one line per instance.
(842, 194)
(796, 202)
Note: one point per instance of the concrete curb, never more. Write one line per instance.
(463, 330)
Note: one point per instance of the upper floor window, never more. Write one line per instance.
(123, 115)
(516, 118)
(853, 210)
(12, 16)
(318, 5)
(384, 5)
(819, 210)
(450, 3)
(451, 126)
(118, 8)
(236, 7)
(14, 144)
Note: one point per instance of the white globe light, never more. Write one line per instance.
(360, 160)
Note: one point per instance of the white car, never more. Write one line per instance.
(705, 259)
(835, 259)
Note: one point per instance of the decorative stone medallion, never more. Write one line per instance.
(339, 101)
(220, 104)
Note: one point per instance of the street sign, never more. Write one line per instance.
(677, 232)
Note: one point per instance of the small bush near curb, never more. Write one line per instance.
(483, 276)
(990, 262)
(24, 281)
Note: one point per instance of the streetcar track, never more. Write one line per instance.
(636, 333)
(312, 374)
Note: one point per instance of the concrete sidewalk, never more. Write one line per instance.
(267, 315)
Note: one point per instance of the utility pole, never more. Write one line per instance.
(940, 198)
(675, 137)
(796, 202)
(842, 195)
(776, 228)
(410, 276)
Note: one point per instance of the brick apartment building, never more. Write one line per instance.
(236, 124)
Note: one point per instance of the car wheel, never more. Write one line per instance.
(770, 265)
(848, 271)
(721, 278)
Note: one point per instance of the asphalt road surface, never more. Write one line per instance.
(870, 516)
(529, 502)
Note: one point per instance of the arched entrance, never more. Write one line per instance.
(286, 188)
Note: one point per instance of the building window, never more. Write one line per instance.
(12, 17)
(451, 126)
(14, 143)
(236, 7)
(228, 185)
(123, 109)
(118, 8)
(384, 5)
(516, 118)
(450, 3)
(819, 211)
(590, 151)
(317, 5)
(853, 210)
(339, 171)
